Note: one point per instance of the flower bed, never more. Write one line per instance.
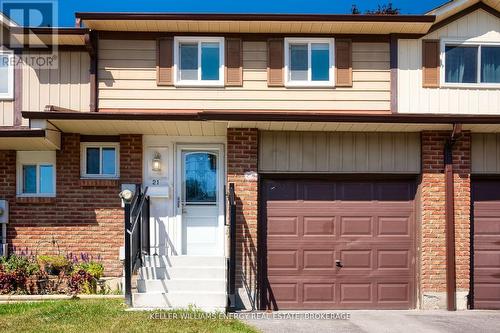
(28, 274)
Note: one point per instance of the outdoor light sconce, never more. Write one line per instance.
(156, 161)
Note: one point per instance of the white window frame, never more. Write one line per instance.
(465, 42)
(100, 146)
(38, 158)
(9, 95)
(309, 83)
(199, 82)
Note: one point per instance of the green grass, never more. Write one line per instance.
(85, 316)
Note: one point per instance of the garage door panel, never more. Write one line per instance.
(283, 226)
(283, 259)
(486, 213)
(359, 226)
(318, 260)
(394, 260)
(372, 237)
(393, 292)
(351, 292)
(318, 292)
(394, 226)
(319, 226)
(397, 192)
(315, 191)
(356, 259)
(487, 224)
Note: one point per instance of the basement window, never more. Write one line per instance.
(100, 160)
(6, 75)
(471, 64)
(36, 174)
(309, 62)
(199, 61)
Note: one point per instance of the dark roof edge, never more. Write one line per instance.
(51, 30)
(254, 17)
(24, 133)
(287, 116)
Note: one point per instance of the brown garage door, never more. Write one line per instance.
(486, 231)
(339, 244)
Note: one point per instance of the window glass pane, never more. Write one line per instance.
(298, 62)
(189, 61)
(46, 179)
(29, 178)
(4, 74)
(461, 64)
(93, 161)
(210, 61)
(320, 62)
(490, 64)
(108, 161)
(200, 177)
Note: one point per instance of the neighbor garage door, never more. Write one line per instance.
(486, 230)
(367, 226)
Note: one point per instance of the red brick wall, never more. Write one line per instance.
(433, 260)
(242, 159)
(85, 216)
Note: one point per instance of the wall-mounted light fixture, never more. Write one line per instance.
(156, 161)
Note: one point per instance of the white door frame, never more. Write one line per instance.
(219, 148)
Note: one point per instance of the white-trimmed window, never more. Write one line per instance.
(36, 173)
(6, 75)
(100, 160)
(309, 62)
(470, 63)
(199, 61)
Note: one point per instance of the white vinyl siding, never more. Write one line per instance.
(67, 86)
(478, 26)
(127, 80)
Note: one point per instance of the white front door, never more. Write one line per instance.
(200, 199)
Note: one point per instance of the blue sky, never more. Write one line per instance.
(67, 8)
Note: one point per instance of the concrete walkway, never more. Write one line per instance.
(378, 321)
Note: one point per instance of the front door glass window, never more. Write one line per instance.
(200, 178)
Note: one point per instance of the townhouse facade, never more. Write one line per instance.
(339, 161)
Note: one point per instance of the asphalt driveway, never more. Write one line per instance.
(376, 321)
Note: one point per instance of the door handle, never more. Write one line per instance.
(338, 263)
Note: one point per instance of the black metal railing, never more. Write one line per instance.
(136, 236)
(232, 247)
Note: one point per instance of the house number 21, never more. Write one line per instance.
(156, 182)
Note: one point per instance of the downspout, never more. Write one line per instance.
(450, 217)
(91, 46)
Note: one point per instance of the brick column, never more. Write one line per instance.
(433, 235)
(242, 171)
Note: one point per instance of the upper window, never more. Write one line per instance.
(469, 63)
(36, 174)
(309, 62)
(6, 75)
(100, 160)
(199, 61)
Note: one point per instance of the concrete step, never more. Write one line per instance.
(200, 273)
(179, 300)
(184, 285)
(188, 261)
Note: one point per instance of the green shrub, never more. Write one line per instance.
(93, 268)
(54, 264)
(16, 263)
